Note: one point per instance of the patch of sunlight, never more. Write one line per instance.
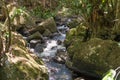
(119, 44)
(92, 50)
(2, 27)
(18, 48)
(34, 63)
(30, 62)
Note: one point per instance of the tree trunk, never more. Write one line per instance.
(117, 19)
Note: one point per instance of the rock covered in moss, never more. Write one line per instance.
(35, 35)
(47, 33)
(18, 39)
(49, 24)
(45, 27)
(20, 64)
(95, 56)
(75, 34)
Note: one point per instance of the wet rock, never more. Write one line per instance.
(61, 56)
(36, 35)
(33, 43)
(55, 35)
(59, 42)
(23, 30)
(117, 38)
(80, 78)
(54, 47)
(59, 60)
(44, 40)
(94, 57)
(61, 49)
(39, 48)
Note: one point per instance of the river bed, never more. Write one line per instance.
(56, 70)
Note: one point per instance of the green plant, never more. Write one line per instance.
(109, 75)
(18, 12)
(43, 13)
(112, 74)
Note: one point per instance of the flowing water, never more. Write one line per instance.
(56, 71)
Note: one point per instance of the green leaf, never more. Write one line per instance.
(109, 75)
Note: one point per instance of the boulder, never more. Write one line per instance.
(61, 56)
(94, 57)
(39, 48)
(16, 37)
(35, 35)
(39, 28)
(75, 34)
(79, 78)
(33, 43)
(47, 33)
(21, 64)
(49, 24)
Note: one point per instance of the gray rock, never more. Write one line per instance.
(79, 78)
(34, 42)
(39, 48)
(61, 56)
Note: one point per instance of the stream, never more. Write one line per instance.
(52, 46)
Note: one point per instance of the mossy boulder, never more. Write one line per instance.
(49, 24)
(18, 39)
(35, 35)
(94, 57)
(39, 28)
(20, 64)
(75, 34)
(47, 33)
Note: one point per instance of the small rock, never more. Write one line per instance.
(34, 42)
(59, 60)
(80, 78)
(59, 42)
(39, 48)
(54, 47)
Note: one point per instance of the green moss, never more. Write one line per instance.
(95, 56)
(20, 64)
